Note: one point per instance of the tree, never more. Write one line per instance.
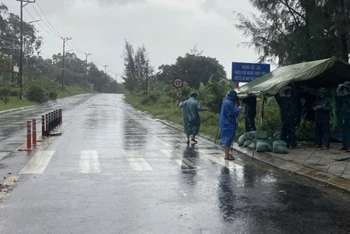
(291, 31)
(193, 69)
(10, 35)
(136, 67)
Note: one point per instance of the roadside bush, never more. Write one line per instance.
(161, 103)
(40, 90)
(4, 93)
(36, 93)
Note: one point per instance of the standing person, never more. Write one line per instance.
(322, 107)
(191, 118)
(228, 123)
(250, 112)
(288, 114)
(343, 93)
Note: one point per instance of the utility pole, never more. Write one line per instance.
(146, 79)
(21, 49)
(105, 68)
(64, 51)
(87, 55)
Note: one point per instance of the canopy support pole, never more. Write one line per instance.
(261, 122)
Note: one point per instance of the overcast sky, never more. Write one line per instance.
(168, 28)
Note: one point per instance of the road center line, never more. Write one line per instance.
(38, 163)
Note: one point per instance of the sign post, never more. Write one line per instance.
(247, 72)
(177, 83)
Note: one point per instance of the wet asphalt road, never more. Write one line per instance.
(116, 170)
(13, 130)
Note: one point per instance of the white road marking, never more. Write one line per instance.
(89, 162)
(220, 160)
(38, 163)
(179, 159)
(163, 142)
(3, 154)
(136, 161)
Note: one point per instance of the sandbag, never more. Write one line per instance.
(244, 138)
(280, 147)
(277, 136)
(247, 142)
(251, 146)
(263, 146)
(260, 135)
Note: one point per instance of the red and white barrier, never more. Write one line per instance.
(34, 132)
(29, 136)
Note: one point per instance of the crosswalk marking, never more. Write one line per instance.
(179, 159)
(89, 162)
(3, 154)
(38, 163)
(220, 160)
(136, 161)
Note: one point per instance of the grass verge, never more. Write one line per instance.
(15, 102)
(73, 90)
(166, 110)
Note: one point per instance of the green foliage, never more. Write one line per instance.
(306, 130)
(161, 104)
(4, 93)
(194, 69)
(36, 93)
(136, 67)
(214, 93)
(272, 120)
(40, 90)
(295, 31)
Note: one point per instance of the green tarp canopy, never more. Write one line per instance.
(321, 73)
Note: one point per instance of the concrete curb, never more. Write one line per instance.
(308, 172)
(268, 158)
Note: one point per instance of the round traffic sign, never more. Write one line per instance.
(177, 82)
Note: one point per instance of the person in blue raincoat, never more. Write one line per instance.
(191, 118)
(228, 122)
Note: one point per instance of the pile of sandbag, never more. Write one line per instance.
(261, 141)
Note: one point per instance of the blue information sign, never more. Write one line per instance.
(246, 72)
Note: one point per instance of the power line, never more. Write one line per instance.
(10, 48)
(39, 23)
(8, 38)
(11, 43)
(58, 68)
(72, 44)
(76, 46)
(53, 31)
(37, 3)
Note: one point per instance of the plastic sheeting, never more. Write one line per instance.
(326, 72)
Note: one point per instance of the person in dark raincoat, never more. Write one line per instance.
(288, 114)
(343, 93)
(191, 118)
(250, 112)
(322, 107)
(228, 122)
(307, 100)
